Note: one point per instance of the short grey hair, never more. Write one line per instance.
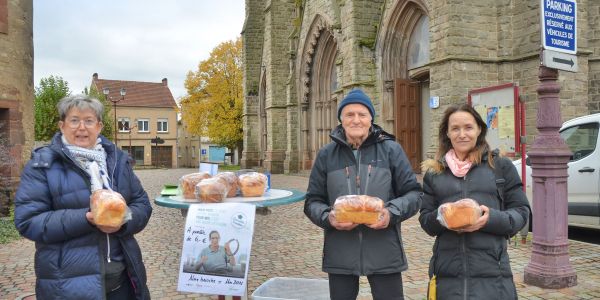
(81, 102)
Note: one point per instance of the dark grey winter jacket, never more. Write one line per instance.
(336, 172)
(474, 265)
(51, 203)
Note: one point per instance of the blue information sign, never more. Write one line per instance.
(559, 25)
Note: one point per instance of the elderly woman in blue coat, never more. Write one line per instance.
(471, 262)
(75, 258)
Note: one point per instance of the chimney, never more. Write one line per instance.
(164, 81)
(95, 76)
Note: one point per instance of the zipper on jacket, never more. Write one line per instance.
(85, 174)
(358, 191)
(107, 248)
(462, 244)
(368, 177)
(133, 270)
(348, 180)
(464, 250)
(112, 177)
(360, 238)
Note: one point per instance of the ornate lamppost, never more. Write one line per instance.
(114, 101)
(130, 130)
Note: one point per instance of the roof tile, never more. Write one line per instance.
(138, 93)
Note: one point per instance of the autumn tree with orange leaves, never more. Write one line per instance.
(213, 105)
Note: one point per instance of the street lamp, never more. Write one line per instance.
(130, 149)
(130, 130)
(114, 100)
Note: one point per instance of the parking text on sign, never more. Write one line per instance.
(559, 25)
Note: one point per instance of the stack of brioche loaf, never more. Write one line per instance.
(208, 189)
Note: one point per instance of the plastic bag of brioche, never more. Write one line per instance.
(253, 184)
(211, 190)
(109, 208)
(360, 209)
(232, 182)
(187, 184)
(460, 214)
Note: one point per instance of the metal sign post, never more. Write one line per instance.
(549, 265)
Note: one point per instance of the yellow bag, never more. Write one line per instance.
(432, 290)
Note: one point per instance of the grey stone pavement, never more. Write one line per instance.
(285, 244)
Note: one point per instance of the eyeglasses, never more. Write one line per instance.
(75, 123)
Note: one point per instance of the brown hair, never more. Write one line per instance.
(481, 145)
(211, 233)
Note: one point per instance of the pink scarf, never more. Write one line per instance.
(458, 167)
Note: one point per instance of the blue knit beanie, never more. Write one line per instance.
(356, 96)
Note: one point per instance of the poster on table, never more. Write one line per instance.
(217, 239)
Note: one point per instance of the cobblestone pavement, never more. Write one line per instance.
(286, 244)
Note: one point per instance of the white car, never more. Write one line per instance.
(581, 135)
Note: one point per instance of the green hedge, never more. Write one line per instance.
(8, 232)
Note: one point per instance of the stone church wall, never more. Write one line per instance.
(473, 44)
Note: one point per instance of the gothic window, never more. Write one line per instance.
(418, 47)
(334, 82)
(318, 83)
(324, 85)
(262, 121)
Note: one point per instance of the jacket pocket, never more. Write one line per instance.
(449, 264)
(485, 262)
(341, 250)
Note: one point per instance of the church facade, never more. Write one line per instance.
(302, 57)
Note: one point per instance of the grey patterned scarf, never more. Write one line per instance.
(93, 161)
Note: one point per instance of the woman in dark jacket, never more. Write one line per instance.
(76, 259)
(362, 159)
(471, 262)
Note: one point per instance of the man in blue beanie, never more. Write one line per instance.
(359, 97)
(362, 159)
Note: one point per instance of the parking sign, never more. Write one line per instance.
(559, 25)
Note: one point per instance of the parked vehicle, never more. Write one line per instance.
(581, 135)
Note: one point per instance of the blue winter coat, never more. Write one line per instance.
(51, 203)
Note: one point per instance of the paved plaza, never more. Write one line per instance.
(286, 244)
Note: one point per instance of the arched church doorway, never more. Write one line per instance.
(318, 85)
(405, 74)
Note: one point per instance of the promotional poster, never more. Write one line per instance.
(216, 248)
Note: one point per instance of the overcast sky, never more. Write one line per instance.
(137, 40)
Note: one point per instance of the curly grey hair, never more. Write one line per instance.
(81, 102)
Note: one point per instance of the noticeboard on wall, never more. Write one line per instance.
(500, 108)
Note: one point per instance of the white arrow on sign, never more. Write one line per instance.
(560, 61)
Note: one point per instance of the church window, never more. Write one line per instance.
(418, 47)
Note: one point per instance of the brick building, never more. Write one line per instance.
(148, 111)
(302, 57)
